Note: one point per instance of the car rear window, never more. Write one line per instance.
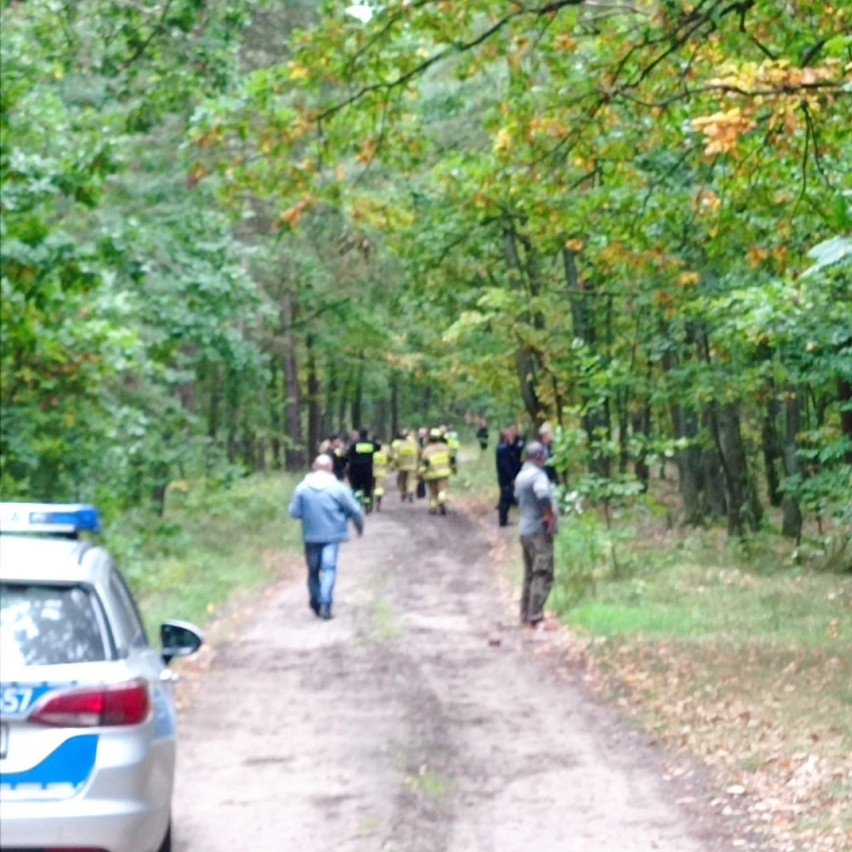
(44, 625)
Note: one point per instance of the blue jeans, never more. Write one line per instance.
(322, 572)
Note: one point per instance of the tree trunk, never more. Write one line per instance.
(248, 447)
(232, 416)
(525, 368)
(394, 403)
(214, 406)
(844, 396)
(791, 524)
(294, 446)
(642, 423)
(715, 496)
(313, 395)
(729, 459)
(596, 418)
(690, 469)
(773, 451)
(525, 278)
(343, 405)
(687, 460)
(379, 426)
(275, 417)
(331, 389)
(742, 507)
(358, 398)
(623, 416)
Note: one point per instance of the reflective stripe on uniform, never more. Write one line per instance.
(438, 465)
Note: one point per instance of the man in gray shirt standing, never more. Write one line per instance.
(537, 527)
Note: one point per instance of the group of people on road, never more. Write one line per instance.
(424, 462)
(423, 459)
(325, 504)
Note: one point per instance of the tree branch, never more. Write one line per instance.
(813, 53)
(809, 121)
(156, 29)
(735, 90)
(454, 48)
(418, 69)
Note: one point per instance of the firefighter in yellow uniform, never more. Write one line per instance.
(381, 460)
(406, 457)
(435, 468)
(394, 451)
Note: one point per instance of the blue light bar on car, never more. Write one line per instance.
(55, 518)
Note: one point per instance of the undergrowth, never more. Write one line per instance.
(210, 541)
(739, 652)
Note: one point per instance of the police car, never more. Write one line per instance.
(87, 706)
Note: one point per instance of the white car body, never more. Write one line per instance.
(72, 776)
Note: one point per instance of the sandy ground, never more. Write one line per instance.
(421, 718)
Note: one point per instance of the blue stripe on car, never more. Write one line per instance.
(71, 763)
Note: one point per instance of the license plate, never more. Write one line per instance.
(4, 739)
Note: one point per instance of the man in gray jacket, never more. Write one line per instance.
(324, 505)
(536, 527)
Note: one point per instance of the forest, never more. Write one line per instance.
(230, 227)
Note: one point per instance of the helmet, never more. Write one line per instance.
(435, 433)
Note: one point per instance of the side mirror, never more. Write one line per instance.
(179, 639)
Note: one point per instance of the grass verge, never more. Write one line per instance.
(210, 543)
(735, 655)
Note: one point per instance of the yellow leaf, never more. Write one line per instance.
(196, 172)
(503, 141)
(367, 152)
(756, 256)
(566, 42)
(707, 200)
(723, 129)
(292, 214)
(297, 72)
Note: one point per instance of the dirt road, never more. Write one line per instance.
(420, 719)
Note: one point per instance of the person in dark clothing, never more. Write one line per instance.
(360, 466)
(508, 465)
(516, 446)
(482, 435)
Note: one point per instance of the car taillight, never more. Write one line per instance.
(102, 706)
